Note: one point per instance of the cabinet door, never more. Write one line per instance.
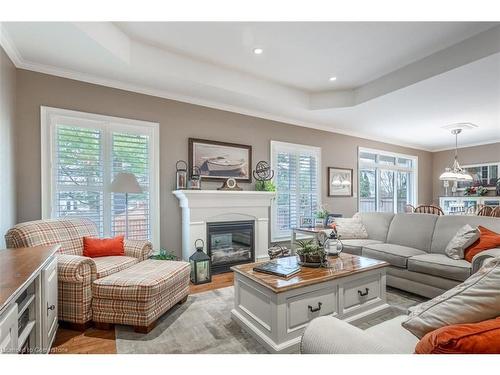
(8, 331)
(49, 304)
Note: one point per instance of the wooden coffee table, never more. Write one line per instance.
(276, 310)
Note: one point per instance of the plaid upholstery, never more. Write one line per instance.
(75, 272)
(140, 294)
(108, 265)
(139, 249)
(68, 233)
(75, 276)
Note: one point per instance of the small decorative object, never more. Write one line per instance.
(310, 254)
(200, 264)
(195, 179)
(333, 245)
(163, 255)
(475, 191)
(278, 251)
(321, 215)
(219, 161)
(263, 174)
(330, 219)
(230, 184)
(306, 222)
(340, 182)
(181, 175)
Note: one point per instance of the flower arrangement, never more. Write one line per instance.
(475, 190)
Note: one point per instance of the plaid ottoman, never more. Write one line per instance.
(140, 294)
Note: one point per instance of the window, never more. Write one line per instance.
(485, 174)
(82, 153)
(387, 181)
(297, 180)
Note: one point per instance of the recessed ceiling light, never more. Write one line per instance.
(332, 79)
(258, 51)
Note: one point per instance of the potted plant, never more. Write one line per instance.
(310, 253)
(265, 185)
(163, 255)
(321, 215)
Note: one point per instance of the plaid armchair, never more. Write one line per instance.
(76, 273)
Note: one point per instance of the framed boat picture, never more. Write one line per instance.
(219, 161)
(339, 182)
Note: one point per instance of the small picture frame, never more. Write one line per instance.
(340, 182)
(306, 222)
(330, 219)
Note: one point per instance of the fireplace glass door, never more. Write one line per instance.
(230, 243)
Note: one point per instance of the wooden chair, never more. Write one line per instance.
(429, 209)
(496, 212)
(485, 211)
(409, 209)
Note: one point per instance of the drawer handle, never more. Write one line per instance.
(315, 309)
(51, 307)
(363, 294)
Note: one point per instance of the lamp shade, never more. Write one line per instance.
(125, 183)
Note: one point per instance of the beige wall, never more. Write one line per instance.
(7, 123)
(467, 155)
(178, 121)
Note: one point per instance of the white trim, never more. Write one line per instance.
(293, 147)
(393, 168)
(48, 115)
(489, 142)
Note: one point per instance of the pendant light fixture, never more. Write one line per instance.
(456, 172)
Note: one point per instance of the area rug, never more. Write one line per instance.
(203, 324)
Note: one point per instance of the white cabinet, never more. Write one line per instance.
(49, 304)
(8, 330)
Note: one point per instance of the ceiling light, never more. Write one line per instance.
(332, 79)
(456, 172)
(258, 51)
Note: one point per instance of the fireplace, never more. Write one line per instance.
(230, 243)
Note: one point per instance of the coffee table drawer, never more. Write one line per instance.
(359, 292)
(305, 307)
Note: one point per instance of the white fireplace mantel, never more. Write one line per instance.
(200, 207)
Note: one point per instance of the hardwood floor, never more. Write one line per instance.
(95, 341)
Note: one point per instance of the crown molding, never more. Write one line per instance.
(476, 144)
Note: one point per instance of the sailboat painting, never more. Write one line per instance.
(220, 160)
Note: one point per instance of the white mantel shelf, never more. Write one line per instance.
(200, 207)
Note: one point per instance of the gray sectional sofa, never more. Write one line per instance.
(414, 246)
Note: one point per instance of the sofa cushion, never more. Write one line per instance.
(448, 225)
(355, 246)
(376, 224)
(393, 335)
(465, 237)
(112, 264)
(412, 230)
(440, 265)
(475, 300)
(350, 228)
(396, 255)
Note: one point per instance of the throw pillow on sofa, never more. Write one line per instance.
(352, 228)
(487, 240)
(471, 338)
(103, 247)
(465, 237)
(475, 300)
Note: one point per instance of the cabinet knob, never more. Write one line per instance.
(51, 307)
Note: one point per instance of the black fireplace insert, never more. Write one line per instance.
(230, 243)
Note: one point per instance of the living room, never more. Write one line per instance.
(250, 187)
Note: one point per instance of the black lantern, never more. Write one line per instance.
(200, 265)
(181, 175)
(195, 179)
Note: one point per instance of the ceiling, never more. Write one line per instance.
(396, 82)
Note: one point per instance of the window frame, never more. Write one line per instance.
(477, 165)
(394, 168)
(49, 117)
(277, 146)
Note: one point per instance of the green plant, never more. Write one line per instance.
(308, 247)
(265, 186)
(164, 255)
(322, 213)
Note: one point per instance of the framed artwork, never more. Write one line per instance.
(219, 161)
(340, 182)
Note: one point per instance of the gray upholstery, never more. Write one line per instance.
(448, 225)
(439, 282)
(396, 255)
(480, 258)
(354, 246)
(377, 224)
(440, 265)
(412, 230)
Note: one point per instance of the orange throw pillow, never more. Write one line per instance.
(103, 247)
(487, 240)
(471, 338)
